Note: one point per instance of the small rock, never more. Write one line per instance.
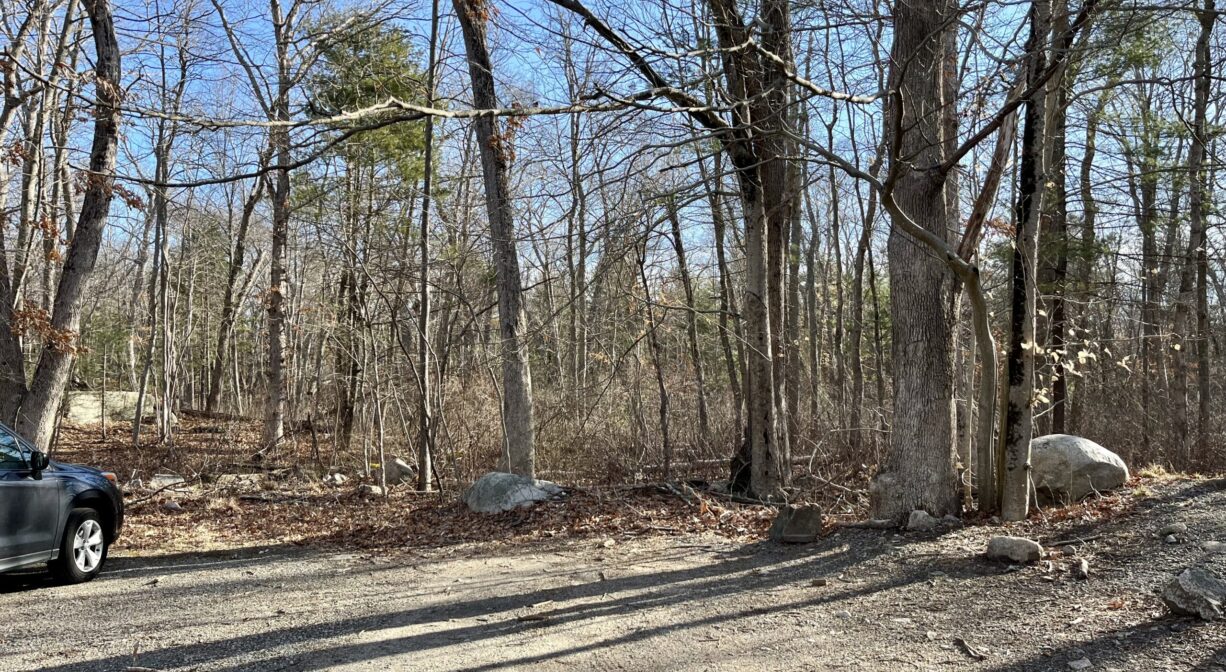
(920, 521)
(370, 490)
(335, 479)
(1016, 549)
(1172, 539)
(172, 506)
(1195, 592)
(1213, 547)
(1081, 664)
(843, 614)
(818, 583)
(1176, 529)
(1081, 570)
(799, 524)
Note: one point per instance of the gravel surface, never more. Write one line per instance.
(857, 600)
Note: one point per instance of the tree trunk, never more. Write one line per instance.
(653, 343)
(229, 304)
(36, 420)
(691, 323)
(1193, 275)
(1014, 469)
(918, 470)
(425, 408)
(276, 386)
(495, 159)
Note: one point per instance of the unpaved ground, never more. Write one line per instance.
(891, 602)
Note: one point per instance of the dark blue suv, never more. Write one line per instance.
(63, 515)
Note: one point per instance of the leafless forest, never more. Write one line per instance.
(845, 244)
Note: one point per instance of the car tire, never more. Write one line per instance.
(83, 549)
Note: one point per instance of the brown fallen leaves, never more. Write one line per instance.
(409, 520)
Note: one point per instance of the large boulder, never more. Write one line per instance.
(398, 471)
(85, 407)
(1066, 468)
(497, 491)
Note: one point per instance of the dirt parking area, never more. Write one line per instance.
(859, 599)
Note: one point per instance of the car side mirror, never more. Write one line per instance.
(38, 461)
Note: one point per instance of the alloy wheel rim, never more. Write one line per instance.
(87, 546)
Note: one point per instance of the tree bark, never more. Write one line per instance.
(918, 470)
(691, 323)
(36, 419)
(1014, 469)
(1193, 290)
(495, 149)
(425, 407)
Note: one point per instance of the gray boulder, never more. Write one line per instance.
(171, 482)
(1015, 549)
(797, 524)
(497, 491)
(86, 407)
(398, 471)
(1067, 468)
(1195, 592)
(920, 521)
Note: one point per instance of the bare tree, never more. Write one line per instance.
(496, 148)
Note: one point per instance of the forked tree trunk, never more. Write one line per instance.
(229, 304)
(36, 420)
(653, 343)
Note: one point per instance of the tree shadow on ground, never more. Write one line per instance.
(123, 566)
(1147, 645)
(767, 567)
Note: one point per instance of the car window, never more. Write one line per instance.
(12, 453)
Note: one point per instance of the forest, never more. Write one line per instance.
(787, 244)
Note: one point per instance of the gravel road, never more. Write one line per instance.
(858, 600)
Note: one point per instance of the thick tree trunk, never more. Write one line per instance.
(495, 159)
(918, 470)
(36, 420)
(276, 386)
(1056, 243)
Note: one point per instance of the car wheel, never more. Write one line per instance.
(83, 549)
